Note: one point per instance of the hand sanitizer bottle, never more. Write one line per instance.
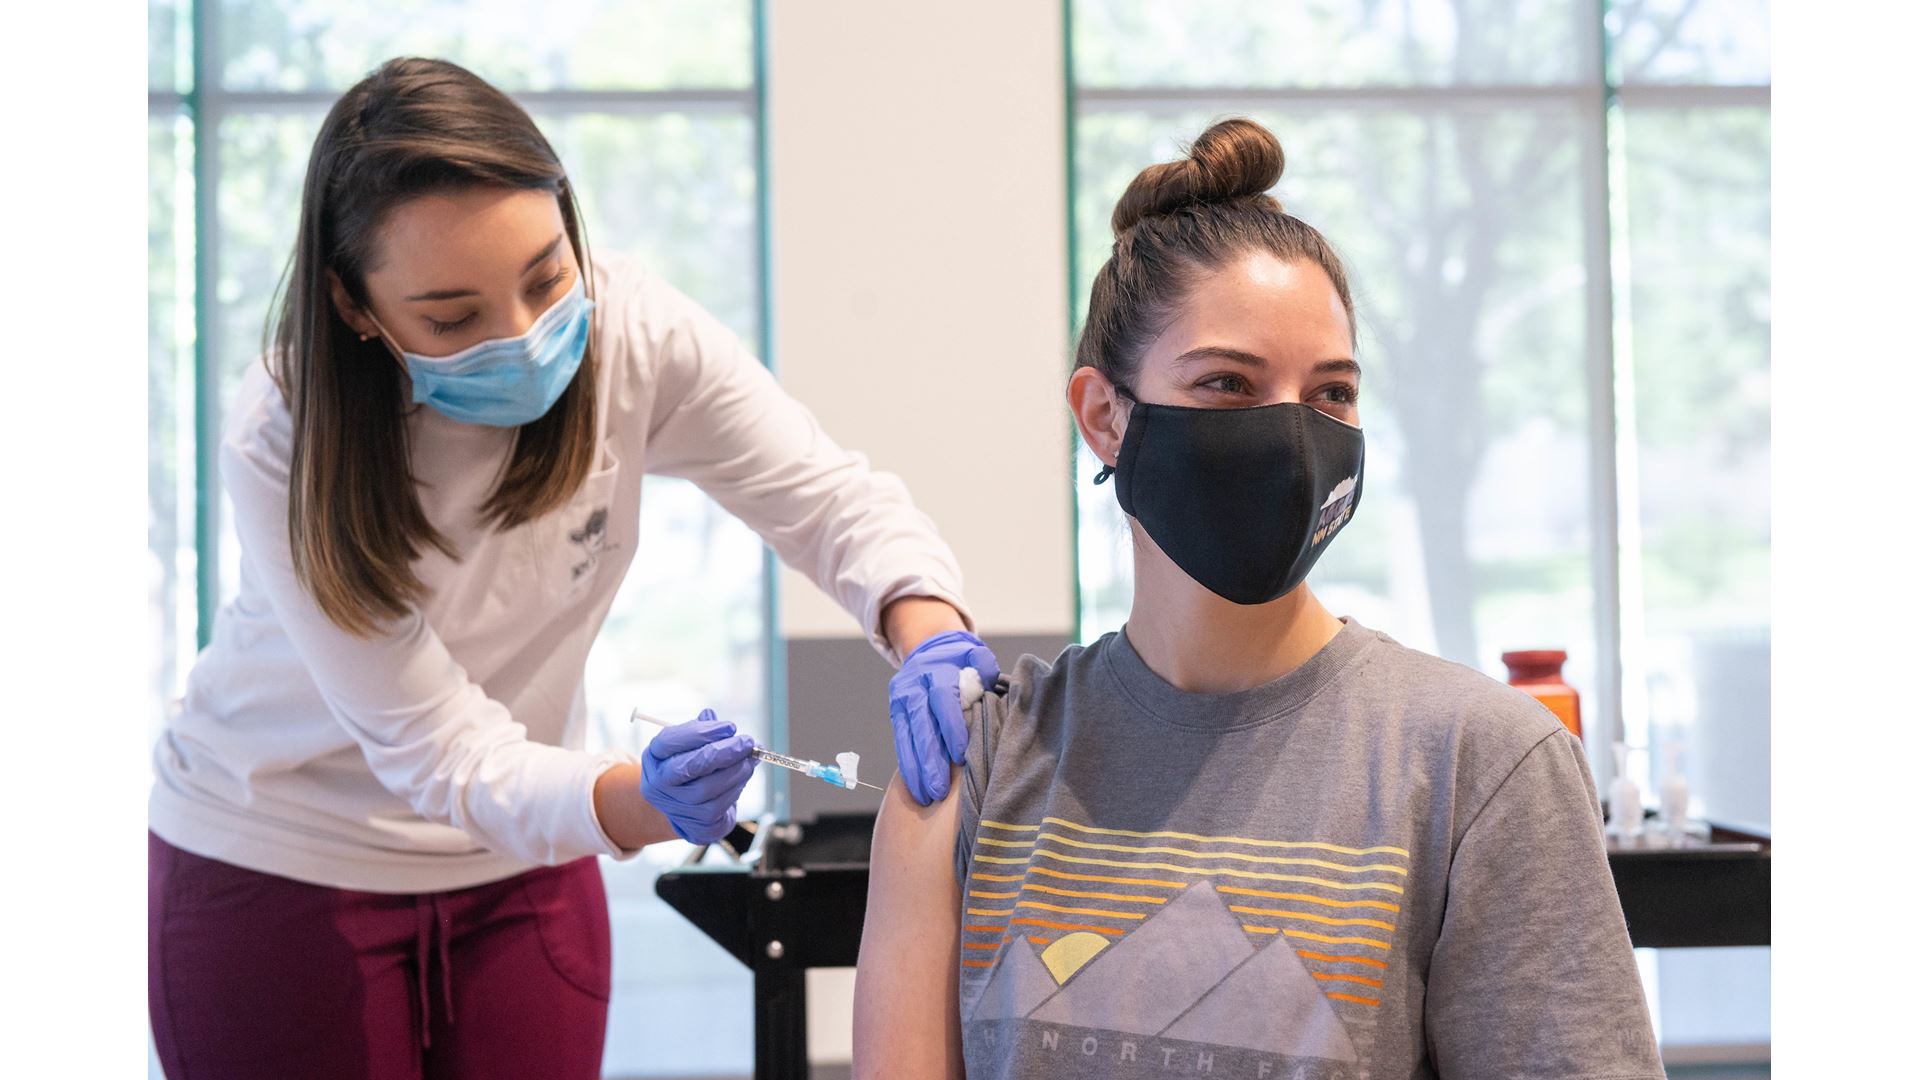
(1623, 799)
(1673, 796)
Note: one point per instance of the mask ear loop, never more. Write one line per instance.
(1106, 471)
(386, 339)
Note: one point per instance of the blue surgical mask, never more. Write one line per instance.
(507, 382)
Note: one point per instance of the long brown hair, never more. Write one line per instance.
(1180, 218)
(412, 127)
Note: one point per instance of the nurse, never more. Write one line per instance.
(373, 827)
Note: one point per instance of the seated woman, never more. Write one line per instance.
(1242, 837)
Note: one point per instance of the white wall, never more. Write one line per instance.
(917, 171)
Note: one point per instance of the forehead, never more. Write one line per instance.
(1258, 303)
(473, 232)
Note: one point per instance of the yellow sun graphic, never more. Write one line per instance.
(1070, 953)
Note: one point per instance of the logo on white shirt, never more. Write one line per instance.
(591, 537)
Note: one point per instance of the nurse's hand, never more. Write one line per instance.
(929, 726)
(694, 772)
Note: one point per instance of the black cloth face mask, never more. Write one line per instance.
(1242, 500)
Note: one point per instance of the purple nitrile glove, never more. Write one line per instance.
(929, 726)
(694, 772)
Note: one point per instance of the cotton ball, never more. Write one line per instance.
(970, 689)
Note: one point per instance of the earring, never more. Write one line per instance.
(364, 337)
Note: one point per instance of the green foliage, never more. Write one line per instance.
(676, 190)
(1698, 207)
(1324, 43)
(559, 44)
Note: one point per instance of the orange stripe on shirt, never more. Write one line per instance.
(1109, 880)
(1190, 853)
(1355, 1000)
(1030, 887)
(976, 963)
(1199, 837)
(1367, 960)
(1255, 841)
(1327, 976)
(1208, 871)
(1063, 926)
(979, 944)
(1238, 891)
(1081, 910)
(1322, 919)
(1338, 940)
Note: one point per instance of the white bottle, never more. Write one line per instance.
(1623, 798)
(1673, 796)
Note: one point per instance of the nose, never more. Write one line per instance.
(526, 314)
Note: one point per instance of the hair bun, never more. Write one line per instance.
(1233, 159)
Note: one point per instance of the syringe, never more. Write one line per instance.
(845, 773)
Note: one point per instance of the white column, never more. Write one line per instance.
(917, 173)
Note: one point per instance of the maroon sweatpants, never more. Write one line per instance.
(252, 975)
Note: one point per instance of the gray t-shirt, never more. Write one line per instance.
(1380, 865)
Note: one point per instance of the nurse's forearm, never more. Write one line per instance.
(628, 818)
(911, 620)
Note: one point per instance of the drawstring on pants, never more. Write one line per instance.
(431, 939)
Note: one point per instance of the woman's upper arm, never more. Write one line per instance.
(723, 422)
(906, 999)
(1533, 973)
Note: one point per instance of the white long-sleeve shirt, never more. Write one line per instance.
(446, 750)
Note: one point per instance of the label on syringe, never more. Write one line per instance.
(773, 757)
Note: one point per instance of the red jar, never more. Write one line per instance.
(1537, 671)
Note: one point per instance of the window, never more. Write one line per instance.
(1555, 217)
(653, 106)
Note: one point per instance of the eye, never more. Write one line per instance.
(1227, 383)
(552, 283)
(439, 327)
(1342, 394)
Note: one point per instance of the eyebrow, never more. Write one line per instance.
(454, 294)
(1240, 356)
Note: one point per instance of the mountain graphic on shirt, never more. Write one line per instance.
(1269, 1003)
(1019, 981)
(1188, 972)
(1181, 952)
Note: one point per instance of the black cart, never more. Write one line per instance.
(801, 900)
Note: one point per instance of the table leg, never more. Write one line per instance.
(780, 1024)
